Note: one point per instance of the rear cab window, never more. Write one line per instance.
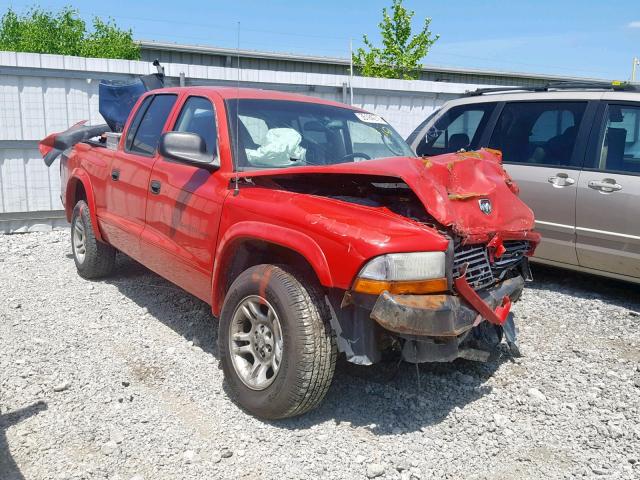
(145, 130)
(458, 128)
(539, 133)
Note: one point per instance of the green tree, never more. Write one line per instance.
(108, 41)
(65, 33)
(401, 51)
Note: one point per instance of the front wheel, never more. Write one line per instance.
(276, 346)
(93, 258)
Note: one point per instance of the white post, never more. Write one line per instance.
(634, 66)
(350, 71)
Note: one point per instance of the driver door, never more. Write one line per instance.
(184, 207)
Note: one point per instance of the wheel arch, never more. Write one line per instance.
(79, 188)
(247, 244)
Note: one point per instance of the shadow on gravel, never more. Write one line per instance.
(8, 468)
(384, 399)
(390, 398)
(584, 285)
(177, 309)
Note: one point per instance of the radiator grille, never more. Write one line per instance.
(480, 272)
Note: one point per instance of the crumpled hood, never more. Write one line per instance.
(451, 187)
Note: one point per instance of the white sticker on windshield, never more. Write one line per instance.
(370, 117)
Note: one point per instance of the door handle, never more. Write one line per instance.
(607, 185)
(155, 187)
(115, 175)
(561, 180)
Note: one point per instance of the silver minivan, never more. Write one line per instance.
(575, 153)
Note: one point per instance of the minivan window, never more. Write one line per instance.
(457, 128)
(197, 116)
(620, 147)
(147, 135)
(541, 133)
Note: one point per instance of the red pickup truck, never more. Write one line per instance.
(309, 226)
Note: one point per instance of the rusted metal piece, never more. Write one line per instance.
(423, 315)
(445, 315)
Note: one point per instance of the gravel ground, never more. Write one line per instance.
(119, 379)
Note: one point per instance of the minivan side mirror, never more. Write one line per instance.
(186, 147)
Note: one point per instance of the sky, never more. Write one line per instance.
(588, 38)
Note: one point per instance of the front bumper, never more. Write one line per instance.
(412, 316)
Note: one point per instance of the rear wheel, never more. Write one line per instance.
(93, 258)
(277, 349)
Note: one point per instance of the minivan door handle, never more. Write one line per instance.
(607, 185)
(154, 186)
(561, 180)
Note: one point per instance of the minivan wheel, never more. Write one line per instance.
(276, 347)
(93, 258)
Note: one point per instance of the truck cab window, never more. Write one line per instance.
(283, 133)
(197, 116)
(147, 134)
(135, 123)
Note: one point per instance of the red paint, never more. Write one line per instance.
(189, 232)
(496, 247)
(497, 316)
(450, 187)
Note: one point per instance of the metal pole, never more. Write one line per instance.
(634, 65)
(350, 71)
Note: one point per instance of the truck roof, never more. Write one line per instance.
(228, 93)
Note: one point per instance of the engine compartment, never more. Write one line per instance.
(366, 190)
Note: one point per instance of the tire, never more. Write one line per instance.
(307, 351)
(93, 258)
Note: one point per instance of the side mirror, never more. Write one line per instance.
(186, 147)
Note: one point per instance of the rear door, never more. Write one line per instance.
(123, 217)
(183, 209)
(608, 207)
(543, 145)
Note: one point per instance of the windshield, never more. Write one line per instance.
(282, 133)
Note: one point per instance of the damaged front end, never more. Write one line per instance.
(463, 322)
(456, 302)
(467, 320)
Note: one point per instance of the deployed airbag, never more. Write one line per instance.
(281, 148)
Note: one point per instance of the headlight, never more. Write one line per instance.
(405, 266)
(416, 272)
